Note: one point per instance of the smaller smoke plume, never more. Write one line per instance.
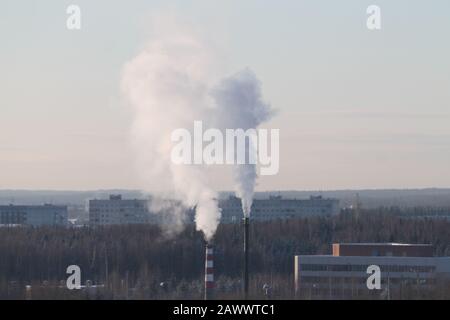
(170, 214)
(240, 106)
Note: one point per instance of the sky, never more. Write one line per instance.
(356, 108)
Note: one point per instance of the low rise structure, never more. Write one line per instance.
(344, 275)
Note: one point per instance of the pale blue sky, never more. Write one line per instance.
(357, 108)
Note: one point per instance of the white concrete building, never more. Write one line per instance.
(275, 207)
(116, 210)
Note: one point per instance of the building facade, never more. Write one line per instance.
(45, 215)
(116, 210)
(275, 207)
(344, 274)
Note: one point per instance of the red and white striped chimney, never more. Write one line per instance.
(209, 272)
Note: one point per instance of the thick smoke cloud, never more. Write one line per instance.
(169, 85)
(166, 87)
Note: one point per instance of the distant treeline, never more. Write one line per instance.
(431, 212)
(141, 262)
(432, 197)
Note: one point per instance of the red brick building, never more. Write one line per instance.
(382, 249)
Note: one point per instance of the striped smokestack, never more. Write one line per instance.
(209, 272)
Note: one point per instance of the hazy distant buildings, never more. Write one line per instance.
(275, 207)
(44, 215)
(116, 210)
(344, 274)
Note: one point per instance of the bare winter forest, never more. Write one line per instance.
(141, 262)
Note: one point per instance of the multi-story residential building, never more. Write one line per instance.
(275, 207)
(44, 215)
(116, 210)
(344, 274)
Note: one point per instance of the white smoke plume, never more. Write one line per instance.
(169, 85)
(240, 106)
(166, 85)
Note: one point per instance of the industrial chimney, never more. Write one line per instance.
(246, 252)
(209, 272)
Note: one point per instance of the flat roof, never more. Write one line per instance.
(382, 244)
